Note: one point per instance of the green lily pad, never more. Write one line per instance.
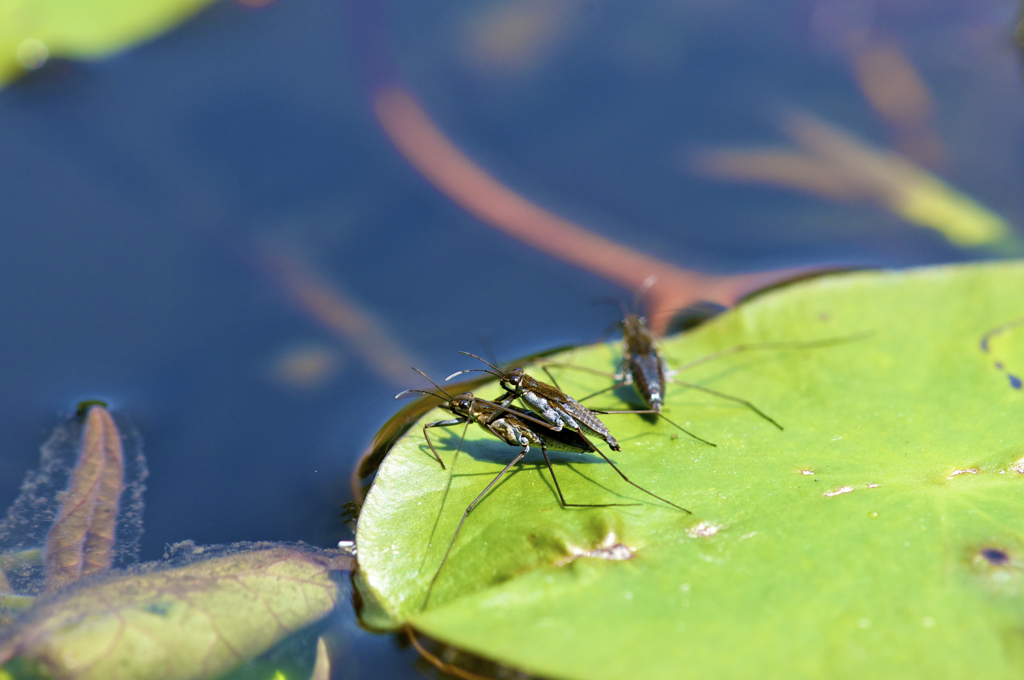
(31, 31)
(193, 622)
(881, 534)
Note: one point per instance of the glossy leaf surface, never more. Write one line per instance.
(881, 534)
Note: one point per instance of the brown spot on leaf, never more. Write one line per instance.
(836, 492)
(704, 530)
(998, 567)
(610, 549)
(995, 556)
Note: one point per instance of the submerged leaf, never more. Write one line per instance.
(322, 665)
(189, 623)
(81, 541)
(878, 535)
(29, 522)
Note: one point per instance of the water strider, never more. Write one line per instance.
(516, 427)
(555, 406)
(643, 366)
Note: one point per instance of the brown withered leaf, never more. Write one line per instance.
(456, 175)
(193, 622)
(81, 540)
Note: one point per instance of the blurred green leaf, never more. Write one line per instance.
(880, 535)
(837, 165)
(31, 31)
(193, 622)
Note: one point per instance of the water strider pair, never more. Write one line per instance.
(551, 419)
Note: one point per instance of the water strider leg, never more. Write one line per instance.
(622, 474)
(630, 481)
(544, 451)
(619, 379)
(585, 369)
(465, 514)
(611, 387)
(779, 344)
(443, 423)
(663, 417)
(730, 397)
(553, 381)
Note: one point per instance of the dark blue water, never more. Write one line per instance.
(137, 193)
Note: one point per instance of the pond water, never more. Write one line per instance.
(162, 211)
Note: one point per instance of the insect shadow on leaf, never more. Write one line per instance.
(516, 427)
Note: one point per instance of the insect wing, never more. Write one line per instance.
(536, 431)
(558, 440)
(567, 406)
(565, 440)
(552, 394)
